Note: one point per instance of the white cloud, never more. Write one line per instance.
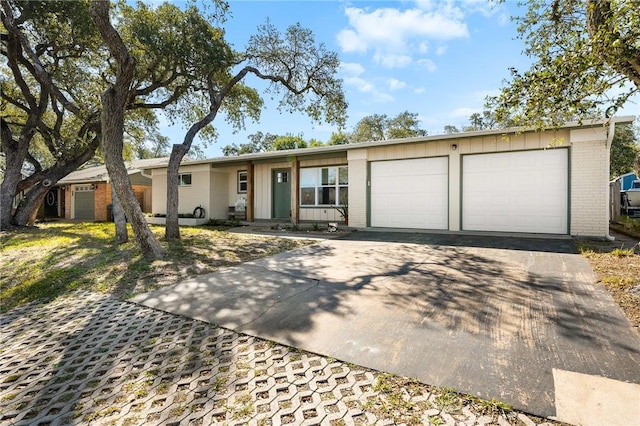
(474, 104)
(351, 68)
(351, 42)
(360, 84)
(464, 112)
(441, 50)
(393, 34)
(503, 19)
(428, 64)
(396, 27)
(395, 84)
(369, 88)
(392, 61)
(484, 7)
(419, 90)
(425, 4)
(481, 95)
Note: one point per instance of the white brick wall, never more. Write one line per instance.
(589, 174)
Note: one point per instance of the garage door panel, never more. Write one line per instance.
(516, 192)
(410, 193)
(84, 205)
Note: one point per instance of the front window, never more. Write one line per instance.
(242, 182)
(324, 186)
(185, 179)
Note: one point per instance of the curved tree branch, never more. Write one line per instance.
(40, 72)
(620, 53)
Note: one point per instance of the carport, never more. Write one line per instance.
(516, 319)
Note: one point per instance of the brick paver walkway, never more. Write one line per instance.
(93, 359)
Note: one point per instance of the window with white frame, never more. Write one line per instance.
(242, 181)
(324, 186)
(184, 179)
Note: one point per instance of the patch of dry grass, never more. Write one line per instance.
(55, 258)
(619, 272)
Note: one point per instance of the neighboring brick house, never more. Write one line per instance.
(86, 193)
(513, 180)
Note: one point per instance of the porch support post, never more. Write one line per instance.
(295, 190)
(250, 192)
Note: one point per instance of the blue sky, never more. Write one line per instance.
(438, 59)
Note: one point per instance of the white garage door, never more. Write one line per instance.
(516, 192)
(410, 193)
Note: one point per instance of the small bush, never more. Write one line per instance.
(619, 252)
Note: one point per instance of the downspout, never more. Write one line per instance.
(612, 128)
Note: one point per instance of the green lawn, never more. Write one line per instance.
(629, 226)
(45, 262)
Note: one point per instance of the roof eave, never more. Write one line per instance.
(303, 152)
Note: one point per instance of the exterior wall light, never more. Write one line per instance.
(454, 147)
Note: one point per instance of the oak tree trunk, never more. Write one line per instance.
(114, 101)
(112, 143)
(38, 184)
(15, 154)
(119, 218)
(33, 214)
(27, 211)
(172, 230)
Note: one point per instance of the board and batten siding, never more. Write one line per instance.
(518, 142)
(406, 151)
(262, 178)
(319, 162)
(358, 187)
(219, 184)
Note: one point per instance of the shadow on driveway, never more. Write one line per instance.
(488, 316)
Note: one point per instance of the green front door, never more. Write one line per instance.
(281, 190)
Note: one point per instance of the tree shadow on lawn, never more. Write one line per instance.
(87, 258)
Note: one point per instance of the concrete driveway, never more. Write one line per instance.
(519, 320)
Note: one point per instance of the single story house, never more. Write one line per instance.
(515, 180)
(86, 193)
